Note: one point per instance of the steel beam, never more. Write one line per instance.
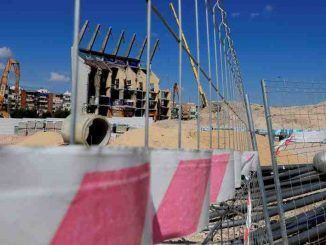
(131, 44)
(93, 39)
(106, 40)
(118, 45)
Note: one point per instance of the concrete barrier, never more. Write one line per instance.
(74, 195)
(180, 191)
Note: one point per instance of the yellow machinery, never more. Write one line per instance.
(193, 65)
(4, 84)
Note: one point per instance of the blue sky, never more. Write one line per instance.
(273, 39)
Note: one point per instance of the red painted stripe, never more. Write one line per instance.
(109, 208)
(180, 210)
(219, 165)
(246, 236)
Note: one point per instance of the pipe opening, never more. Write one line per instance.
(98, 131)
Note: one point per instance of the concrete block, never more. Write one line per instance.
(49, 126)
(58, 125)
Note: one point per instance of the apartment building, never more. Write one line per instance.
(66, 101)
(41, 100)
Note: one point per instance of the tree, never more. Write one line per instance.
(46, 114)
(21, 113)
(61, 113)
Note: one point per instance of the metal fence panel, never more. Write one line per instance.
(296, 120)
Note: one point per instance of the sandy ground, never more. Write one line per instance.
(42, 139)
(37, 139)
(164, 134)
(164, 137)
(10, 139)
(307, 117)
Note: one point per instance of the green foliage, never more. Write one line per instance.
(61, 113)
(26, 113)
(21, 113)
(46, 114)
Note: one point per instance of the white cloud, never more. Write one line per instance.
(2, 66)
(5, 52)
(254, 15)
(235, 15)
(57, 77)
(269, 8)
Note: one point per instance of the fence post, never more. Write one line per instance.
(274, 163)
(210, 77)
(198, 71)
(180, 74)
(75, 71)
(259, 172)
(148, 70)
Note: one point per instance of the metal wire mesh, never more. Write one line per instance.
(221, 122)
(296, 115)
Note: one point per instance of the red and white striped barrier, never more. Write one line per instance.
(222, 176)
(283, 144)
(73, 195)
(180, 191)
(247, 229)
(249, 161)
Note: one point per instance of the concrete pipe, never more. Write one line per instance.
(320, 161)
(90, 130)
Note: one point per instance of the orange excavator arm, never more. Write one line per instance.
(4, 79)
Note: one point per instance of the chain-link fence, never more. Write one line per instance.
(295, 187)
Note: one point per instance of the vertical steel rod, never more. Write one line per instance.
(180, 74)
(259, 172)
(75, 72)
(210, 77)
(226, 93)
(222, 82)
(221, 59)
(148, 70)
(274, 164)
(198, 78)
(216, 75)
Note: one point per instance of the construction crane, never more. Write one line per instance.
(4, 84)
(193, 65)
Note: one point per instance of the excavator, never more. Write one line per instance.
(4, 85)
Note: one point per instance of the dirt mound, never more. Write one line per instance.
(10, 139)
(42, 139)
(162, 136)
(308, 117)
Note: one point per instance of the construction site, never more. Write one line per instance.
(127, 158)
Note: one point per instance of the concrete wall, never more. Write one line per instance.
(7, 125)
(133, 122)
(84, 71)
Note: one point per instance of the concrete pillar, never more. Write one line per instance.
(82, 98)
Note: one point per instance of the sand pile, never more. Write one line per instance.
(42, 139)
(165, 135)
(307, 117)
(10, 139)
